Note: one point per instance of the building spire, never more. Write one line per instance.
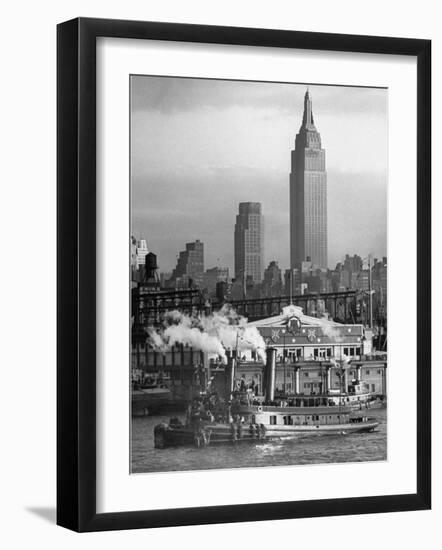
(307, 119)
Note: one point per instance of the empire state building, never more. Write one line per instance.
(308, 194)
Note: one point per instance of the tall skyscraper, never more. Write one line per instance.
(272, 283)
(190, 266)
(142, 252)
(249, 242)
(308, 195)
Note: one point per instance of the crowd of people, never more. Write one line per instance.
(210, 408)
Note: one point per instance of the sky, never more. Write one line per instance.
(200, 146)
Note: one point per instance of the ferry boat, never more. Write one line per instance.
(209, 421)
(266, 422)
(358, 397)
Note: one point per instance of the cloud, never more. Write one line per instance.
(169, 95)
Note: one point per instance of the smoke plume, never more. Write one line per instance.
(215, 333)
(333, 333)
(343, 364)
(329, 329)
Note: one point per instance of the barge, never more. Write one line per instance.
(150, 395)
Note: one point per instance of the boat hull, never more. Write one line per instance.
(167, 435)
(154, 401)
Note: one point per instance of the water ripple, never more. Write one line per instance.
(305, 450)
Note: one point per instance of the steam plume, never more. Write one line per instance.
(343, 364)
(209, 333)
(329, 329)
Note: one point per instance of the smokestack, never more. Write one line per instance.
(230, 372)
(206, 362)
(205, 365)
(270, 374)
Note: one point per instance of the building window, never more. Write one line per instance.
(306, 374)
(367, 372)
(322, 352)
(379, 371)
(273, 420)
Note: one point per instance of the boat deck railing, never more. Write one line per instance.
(320, 410)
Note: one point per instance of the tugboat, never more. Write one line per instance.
(209, 421)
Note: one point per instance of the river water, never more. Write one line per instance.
(306, 450)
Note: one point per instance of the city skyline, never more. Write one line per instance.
(176, 132)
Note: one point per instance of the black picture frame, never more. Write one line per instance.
(76, 273)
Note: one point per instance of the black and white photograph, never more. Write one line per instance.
(223, 214)
(258, 273)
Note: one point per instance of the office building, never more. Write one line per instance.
(249, 245)
(308, 194)
(141, 252)
(190, 266)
